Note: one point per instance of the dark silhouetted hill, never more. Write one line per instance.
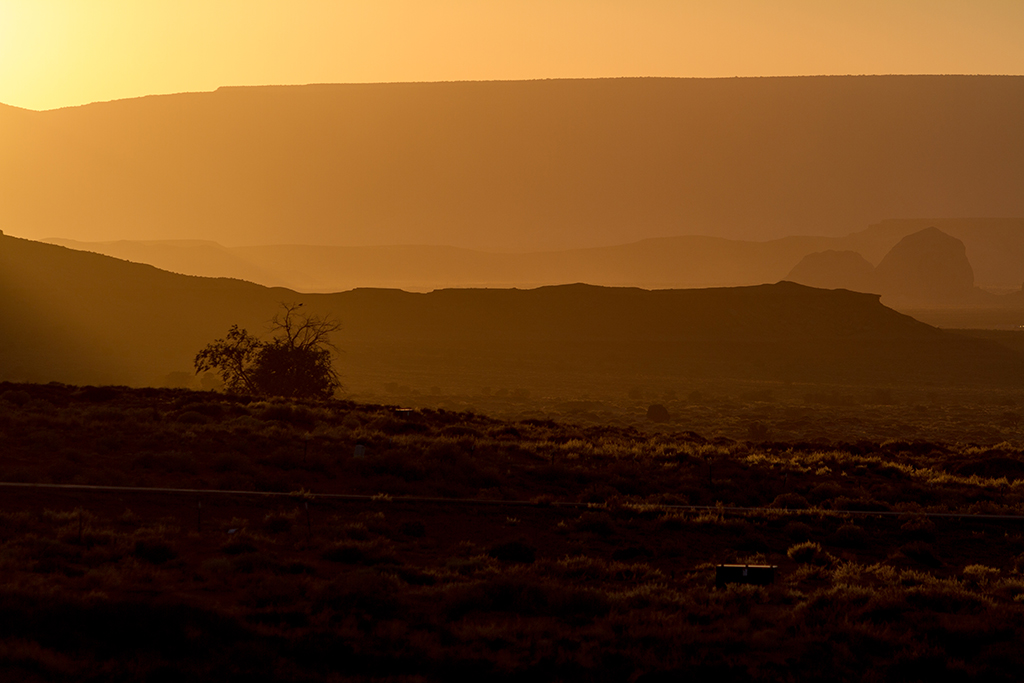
(85, 318)
(186, 257)
(521, 165)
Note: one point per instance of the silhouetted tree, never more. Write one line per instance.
(296, 362)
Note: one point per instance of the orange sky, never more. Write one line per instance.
(56, 53)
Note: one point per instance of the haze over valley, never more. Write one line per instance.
(993, 247)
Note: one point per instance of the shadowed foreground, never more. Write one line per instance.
(897, 560)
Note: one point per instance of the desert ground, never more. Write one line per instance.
(169, 534)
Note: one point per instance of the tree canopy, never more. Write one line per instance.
(298, 361)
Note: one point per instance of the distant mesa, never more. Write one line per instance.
(925, 267)
(544, 164)
(836, 270)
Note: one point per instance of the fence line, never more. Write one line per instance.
(384, 498)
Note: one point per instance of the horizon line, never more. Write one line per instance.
(509, 80)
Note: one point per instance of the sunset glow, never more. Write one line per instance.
(553, 340)
(56, 53)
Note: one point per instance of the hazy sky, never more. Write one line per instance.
(56, 53)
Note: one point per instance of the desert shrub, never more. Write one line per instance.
(740, 598)
(825, 491)
(577, 606)
(213, 410)
(105, 414)
(63, 471)
(673, 522)
(948, 597)
(239, 544)
(519, 594)
(273, 591)
(517, 552)
(918, 527)
(386, 424)
(398, 463)
(272, 481)
(858, 504)
(375, 521)
(584, 569)
(363, 592)
(460, 431)
(154, 550)
(471, 564)
(790, 501)
(172, 461)
(91, 394)
(850, 536)
(595, 523)
(360, 552)
(294, 415)
(230, 462)
(414, 529)
(16, 397)
(992, 467)
(245, 424)
(581, 568)
(921, 552)
(356, 532)
(14, 523)
(797, 530)
(505, 432)
(807, 552)
(632, 552)
(351, 422)
(191, 417)
(979, 575)
(597, 493)
(280, 522)
(296, 456)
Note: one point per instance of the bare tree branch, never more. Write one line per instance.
(297, 361)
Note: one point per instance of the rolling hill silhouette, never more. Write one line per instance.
(85, 318)
(996, 245)
(688, 261)
(525, 166)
